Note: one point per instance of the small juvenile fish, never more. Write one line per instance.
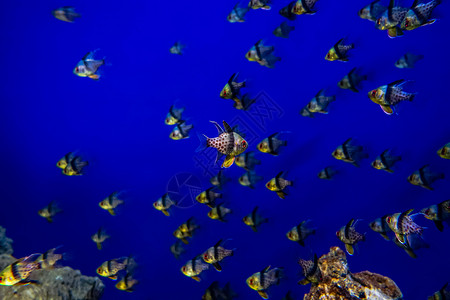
(220, 179)
(350, 153)
(233, 88)
(327, 173)
(48, 259)
(381, 226)
(111, 202)
(177, 48)
(419, 15)
(300, 232)
(174, 116)
(262, 54)
(320, 102)
(283, 30)
(352, 81)
(287, 11)
(193, 268)
(99, 237)
(444, 152)
(372, 11)
(163, 204)
(216, 254)
(262, 281)
(339, 51)
(88, 66)
(237, 14)
(219, 212)
(424, 177)
(349, 236)
(111, 268)
(177, 249)
(208, 197)
(181, 131)
(249, 179)
(388, 96)
(304, 7)
(244, 102)
(402, 225)
(18, 272)
(49, 211)
(310, 270)
(385, 161)
(247, 160)
(127, 283)
(438, 213)
(442, 294)
(186, 230)
(75, 167)
(263, 4)
(408, 61)
(279, 184)
(254, 220)
(272, 144)
(66, 14)
(391, 19)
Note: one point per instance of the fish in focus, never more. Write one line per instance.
(390, 95)
(75, 166)
(385, 161)
(89, 66)
(327, 173)
(228, 143)
(262, 54)
(349, 236)
(262, 281)
(339, 51)
(237, 14)
(193, 268)
(424, 177)
(304, 7)
(391, 19)
(232, 89)
(220, 179)
(100, 237)
(381, 226)
(177, 48)
(163, 204)
(111, 202)
(244, 102)
(49, 258)
(254, 219)
(174, 116)
(310, 270)
(272, 144)
(249, 179)
(320, 102)
(372, 11)
(216, 254)
(66, 14)
(247, 160)
(181, 131)
(283, 30)
(215, 292)
(262, 4)
(300, 232)
(408, 61)
(186, 230)
(208, 197)
(49, 211)
(438, 213)
(403, 226)
(177, 249)
(442, 294)
(219, 212)
(18, 272)
(352, 81)
(287, 11)
(279, 184)
(444, 152)
(350, 153)
(419, 15)
(111, 268)
(127, 283)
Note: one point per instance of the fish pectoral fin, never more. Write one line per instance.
(304, 281)
(301, 243)
(217, 266)
(281, 194)
(112, 212)
(263, 294)
(387, 109)
(350, 249)
(254, 228)
(429, 22)
(411, 253)
(99, 246)
(229, 160)
(439, 225)
(185, 241)
(400, 238)
(94, 76)
(166, 213)
(113, 277)
(385, 236)
(196, 278)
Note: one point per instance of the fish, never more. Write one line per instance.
(99, 237)
(444, 152)
(442, 294)
(177, 249)
(174, 116)
(419, 15)
(260, 4)
(438, 213)
(327, 173)
(262, 54)
(219, 212)
(385, 161)
(247, 160)
(249, 179)
(111, 268)
(254, 220)
(18, 272)
(300, 232)
(278, 184)
(320, 102)
(208, 197)
(127, 283)
(306, 113)
(163, 204)
(215, 292)
(49, 258)
(89, 66)
(181, 131)
(63, 162)
(220, 179)
(402, 225)
(244, 102)
(66, 14)
(381, 226)
(339, 51)
(391, 19)
(49, 211)
(216, 254)
(283, 30)
(352, 81)
(424, 177)
(408, 60)
(372, 11)
(194, 267)
(262, 281)
(349, 236)
(310, 270)
(233, 88)
(390, 95)
(304, 7)
(177, 48)
(237, 14)
(272, 144)
(186, 230)
(228, 143)
(111, 202)
(287, 11)
(75, 167)
(350, 153)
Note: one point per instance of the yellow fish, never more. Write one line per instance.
(111, 202)
(127, 283)
(18, 272)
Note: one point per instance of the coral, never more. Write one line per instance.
(5, 243)
(339, 283)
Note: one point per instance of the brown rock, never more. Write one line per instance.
(5, 243)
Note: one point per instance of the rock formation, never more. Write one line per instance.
(5, 243)
(339, 283)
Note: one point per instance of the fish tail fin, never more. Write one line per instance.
(203, 142)
(290, 183)
(352, 45)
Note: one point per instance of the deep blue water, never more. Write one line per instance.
(118, 124)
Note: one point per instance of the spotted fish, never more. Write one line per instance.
(263, 280)
(216, 254)
(194, 268)
(349, 236)
(339, 51)
(311, 271)
(403, 225)
(419, 15)
(390, 95)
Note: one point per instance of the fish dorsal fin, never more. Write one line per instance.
(265, 269)
(351, 72)
(322, 91)
(219, 129)
(338, 43)
(218, 243)
(232, 78)
(408, 212)
(415, 3)
(279, 175)
(254, 211)
(227, 127)
(347, 227)
(397, 82)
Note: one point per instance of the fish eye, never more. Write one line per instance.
(241, 179)
(225, 93)
(373, 93)
(388, 219)
(251, 281)
(290, 234)
(183, 269)
(205, 257)
(244, 143)
(328, 55)
(337, 233)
